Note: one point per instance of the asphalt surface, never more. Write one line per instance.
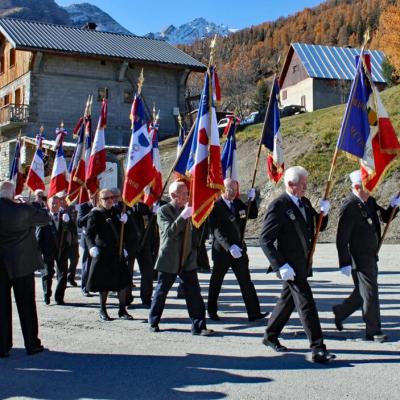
(91, 359)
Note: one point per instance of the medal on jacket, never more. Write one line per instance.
(290, 214)
(242, 213)
(232, 218)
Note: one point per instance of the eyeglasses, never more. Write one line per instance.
(107, 198)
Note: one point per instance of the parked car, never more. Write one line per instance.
(222, 124)
(293, 109)
(254, 118)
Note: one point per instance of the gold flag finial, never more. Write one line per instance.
(140, 82)
(62, 124)
(367, 36)
(212, 47)
(41, 130)
(154, 111)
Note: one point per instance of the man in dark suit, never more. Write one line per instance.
(173, 219)
(286, 237)
(19, 257)
(229, 249)
(357, 240)
(82, 218)
(54, 243)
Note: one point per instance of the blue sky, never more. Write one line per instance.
(143, 16)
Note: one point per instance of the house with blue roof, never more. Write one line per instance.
(317, 76)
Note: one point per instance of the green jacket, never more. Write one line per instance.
(172, 229)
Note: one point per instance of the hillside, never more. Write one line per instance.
(249, 55)
(309, 140)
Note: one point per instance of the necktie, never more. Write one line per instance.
(232, 207)
(55, 217)
(301, 208)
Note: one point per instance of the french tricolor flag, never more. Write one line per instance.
(140, 170)
(16, 174)
(58, 180)
(204, 164)
(35, 179)
(97, 159)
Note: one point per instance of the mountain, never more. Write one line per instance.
(43, 10)
(81, 14)
(49, 11)
(188, 33)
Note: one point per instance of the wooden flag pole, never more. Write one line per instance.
(253, 180)
(392, 214)
(329, 183)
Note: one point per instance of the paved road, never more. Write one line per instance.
(123, 360)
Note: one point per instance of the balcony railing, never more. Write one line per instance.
(14, 113)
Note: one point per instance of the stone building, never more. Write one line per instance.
(47, 72)
(316, 76)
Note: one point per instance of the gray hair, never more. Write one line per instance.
(7, 190)
(293, 174)
(174, 187)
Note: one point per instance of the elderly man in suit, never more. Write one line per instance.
(54, 243)
(357, 241)
(229, 249)
(19, 257)
(172, 220)
(286, 237)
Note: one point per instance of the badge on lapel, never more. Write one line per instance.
(290, 214)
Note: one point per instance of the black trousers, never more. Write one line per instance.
(24, 294)
(73, 257)
(202, 258)
(146, 266)
(240, 267)
(194, 300)
(85, 266)
(364, 296)
(296, 294)
(61, 268)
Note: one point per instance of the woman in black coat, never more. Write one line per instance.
(109, 270)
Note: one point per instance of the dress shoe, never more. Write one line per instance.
(258, 316)
(202, 332)
(338, 322)
(378, 337)
(104, 316)
(214, 317)
(86, 293)
(275, 345)
(72, 282)
(35, 350)
(154, 328)
(146, 304)
(122, 314)
(46, 300)
(322, 356)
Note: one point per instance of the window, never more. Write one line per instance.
(12, 57)
(7, 99)
(295, 68)
(18, 97)
(102, 62)
(128, 96)
(102, 93)
(284, 94)
(303, 100)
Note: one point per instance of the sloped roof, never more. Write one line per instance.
(328, 62)
(39, 36)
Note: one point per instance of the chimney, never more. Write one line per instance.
(91, 26)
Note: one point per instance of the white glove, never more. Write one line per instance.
(187, 212)
(94, 252)
(346, 270)
(324, 206)
(251, 194)
(235, 251)
(287, 273)
(395, 201)
(155, 208)
(123, 218)
(125, 253)
(65, 218)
